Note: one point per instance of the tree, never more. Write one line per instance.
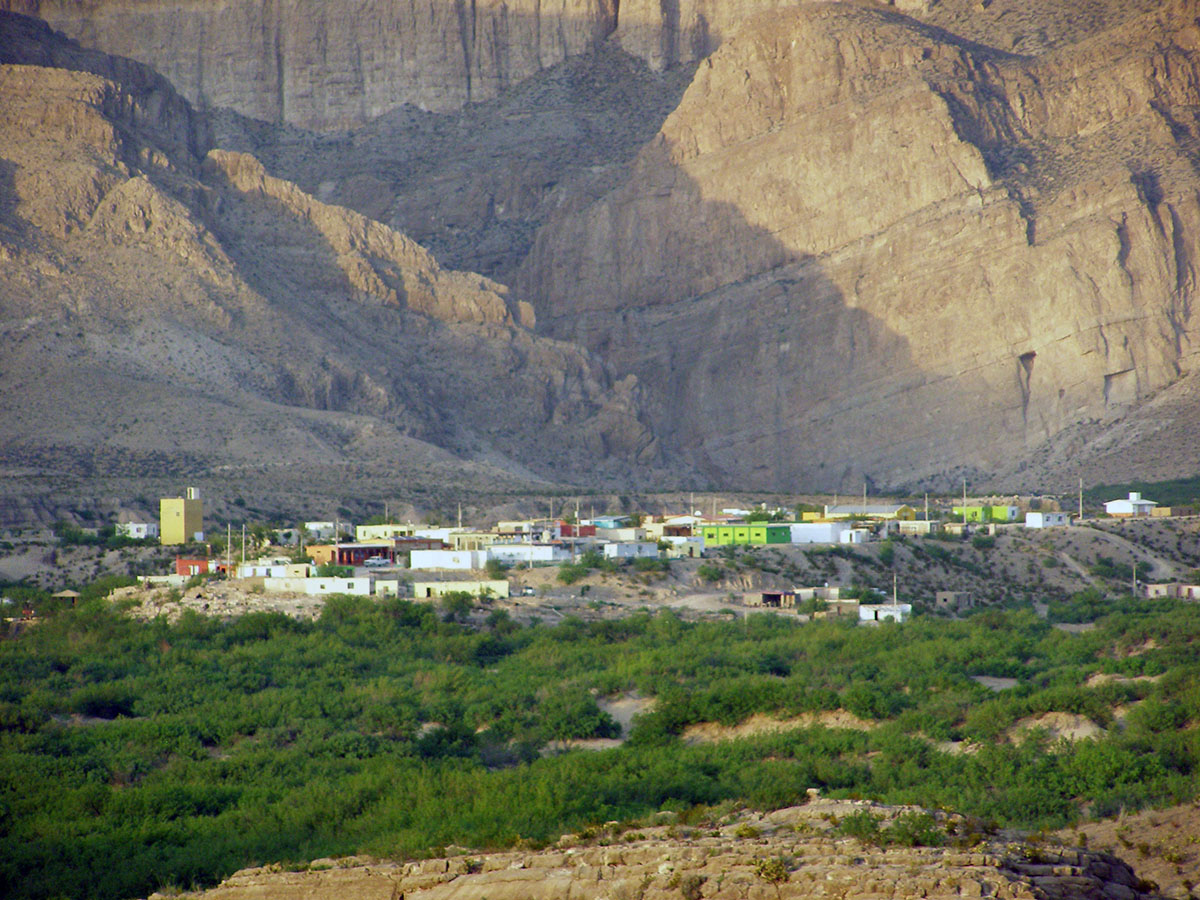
(495, 569)
(457, 605)
(773, 871)
(569, 573)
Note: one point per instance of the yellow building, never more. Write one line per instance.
(181, 519)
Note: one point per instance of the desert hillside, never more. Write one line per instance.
(764, 245)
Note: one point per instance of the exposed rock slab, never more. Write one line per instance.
(721, 863)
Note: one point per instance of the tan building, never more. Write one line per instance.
(181, 519)
(423, 590)
(366, 533)
(473, 540)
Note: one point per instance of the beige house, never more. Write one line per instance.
(424, 590)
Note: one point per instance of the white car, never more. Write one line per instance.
(376, 561)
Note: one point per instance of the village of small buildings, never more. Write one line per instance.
(866, 561)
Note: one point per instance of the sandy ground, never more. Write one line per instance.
(712, 732)
(1057, 725)
(995, 683)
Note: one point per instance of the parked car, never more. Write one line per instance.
(376, 561)
(528, 591)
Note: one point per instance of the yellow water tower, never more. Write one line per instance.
(181, 519)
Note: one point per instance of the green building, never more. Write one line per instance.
(762, 533)
(987, 513)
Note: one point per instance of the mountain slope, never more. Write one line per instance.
(901, 244)
(155, 297)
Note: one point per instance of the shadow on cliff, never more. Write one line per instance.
(755, 367)
(481, 391)
(159, 113)
(12, 226)
(474, 186)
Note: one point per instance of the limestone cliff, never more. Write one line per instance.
(324, 65)
(864, 248)
(158, 300)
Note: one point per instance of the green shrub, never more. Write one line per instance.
(569, 573)
(862, 825)
(915, 829)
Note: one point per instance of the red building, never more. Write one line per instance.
(189, 567)
(357, 553)
(566, 530)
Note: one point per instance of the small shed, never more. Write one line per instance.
(68, 594)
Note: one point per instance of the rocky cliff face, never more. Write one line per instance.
(153, 297)
(809, 861)
(861, 247)
(326, 66)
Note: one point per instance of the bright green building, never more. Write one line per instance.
(762, 533)
(987, 513)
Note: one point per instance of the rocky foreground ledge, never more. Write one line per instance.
(791, 853)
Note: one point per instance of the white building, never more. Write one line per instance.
(818, 532)
(883, 612)
(138, 531)
(620, 535)
(436, 534)
(273, 568)
(523, 554)
(1047, 519)
(685, 547)
(448, 559)
(320, 531)
(317, 586)
(630, 550)
(855, 536)
(1134, 505)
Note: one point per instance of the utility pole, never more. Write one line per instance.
(228, 548)
(460, 514)
(964, 503)
(927, 506)
(895, 595)
(243, 543)
(864, 498)
(1081, 498)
